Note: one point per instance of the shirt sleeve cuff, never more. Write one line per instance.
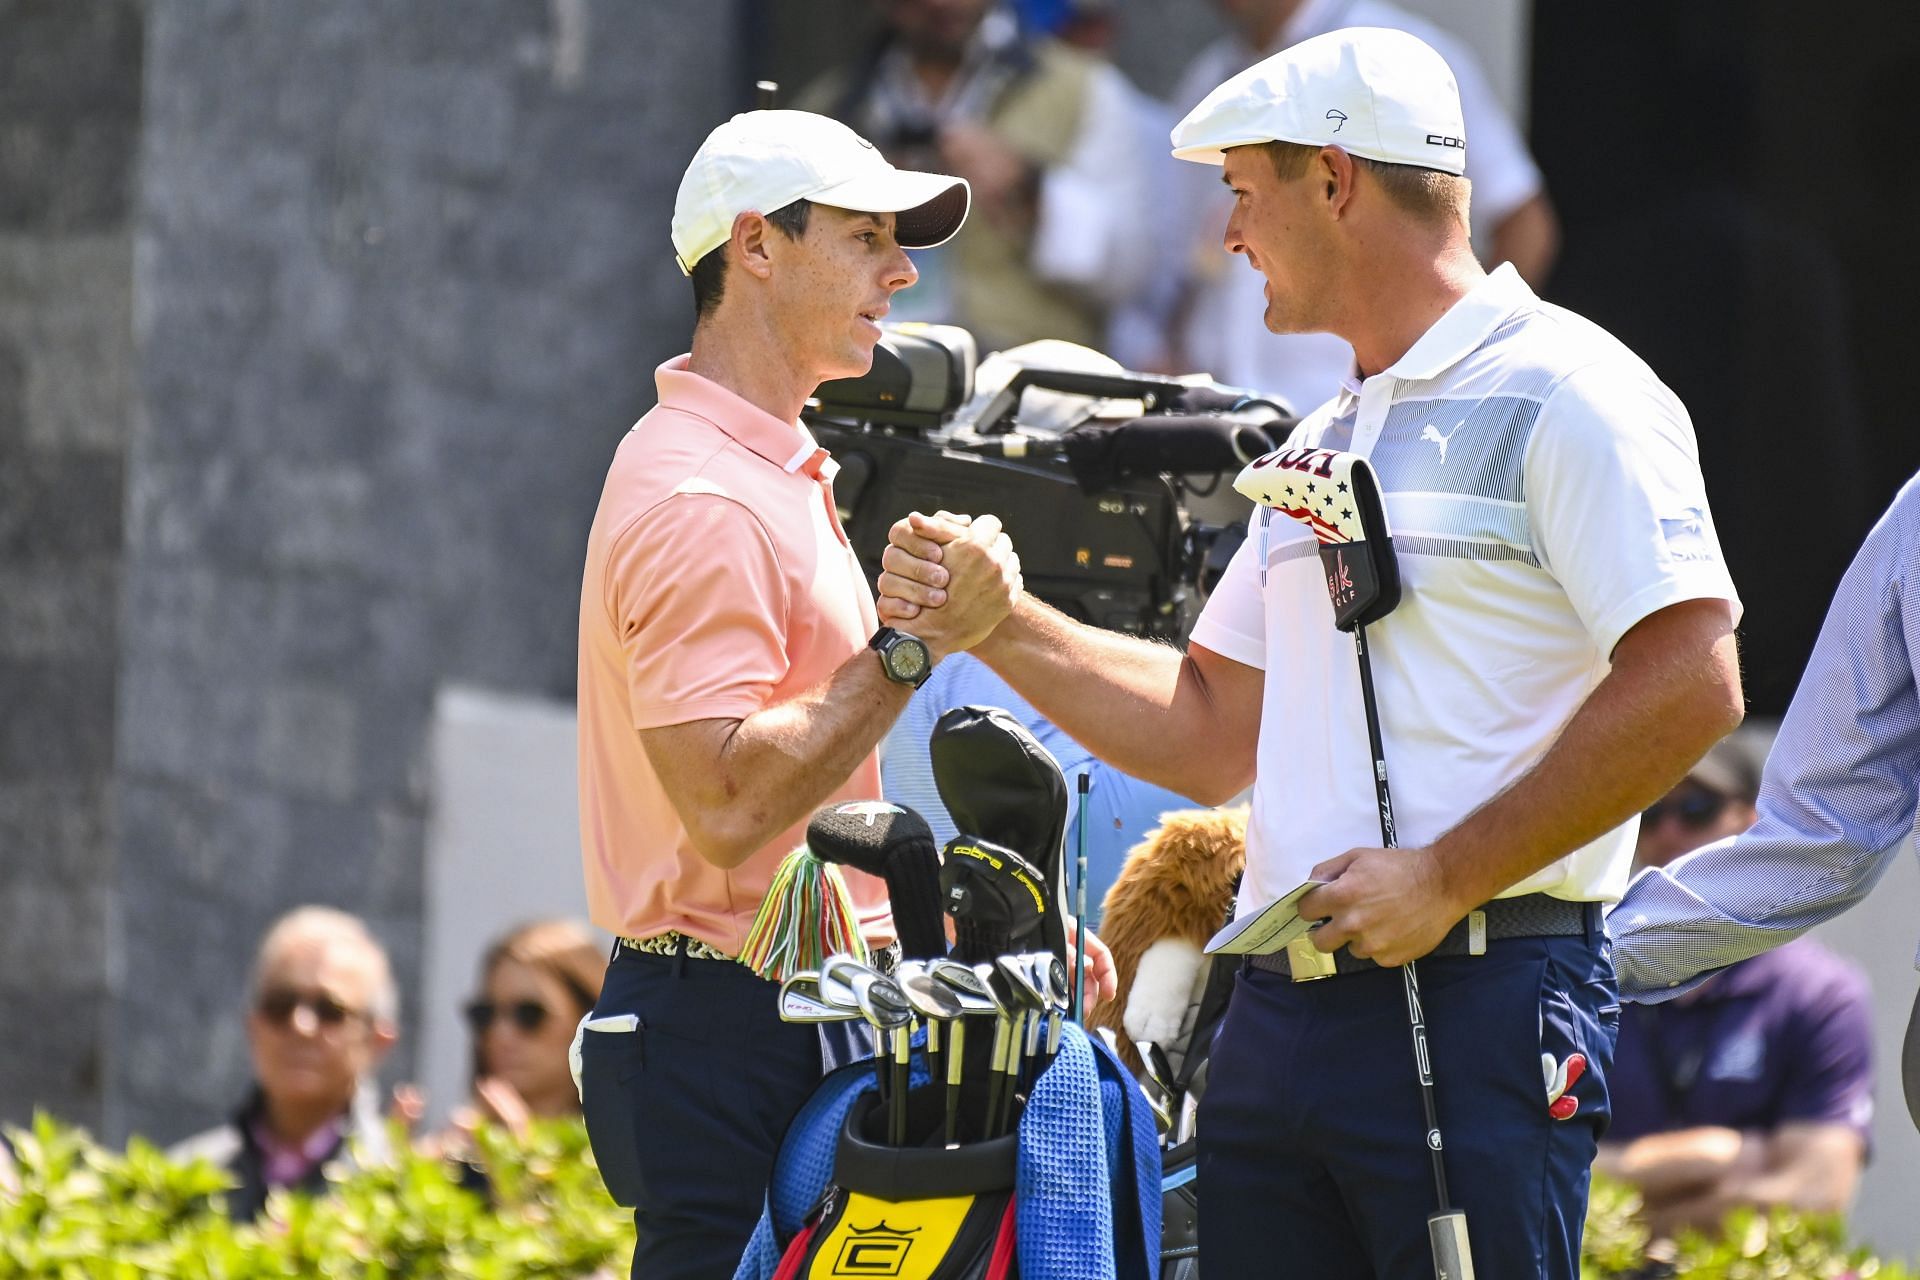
(1649, 600)
(730, 707)
(1210, 634)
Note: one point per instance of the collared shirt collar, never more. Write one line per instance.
(787, 445)
(1465, 326)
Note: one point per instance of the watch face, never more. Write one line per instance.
(907, 660)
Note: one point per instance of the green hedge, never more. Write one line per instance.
(85, 1213)
(82, 1212)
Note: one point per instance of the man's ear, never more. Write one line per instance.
(749, 241)
(383, 1034)
(1336, 172)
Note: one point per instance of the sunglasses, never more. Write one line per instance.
(1696, 807)
(526, 1015)
(278, 1007)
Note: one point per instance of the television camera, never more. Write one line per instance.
(1097, 473)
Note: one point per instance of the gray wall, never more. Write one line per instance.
(70, 106)
(397, 282)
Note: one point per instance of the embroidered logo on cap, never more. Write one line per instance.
(1334, 113)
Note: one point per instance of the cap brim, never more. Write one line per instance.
(1214, 151)
(929, 207)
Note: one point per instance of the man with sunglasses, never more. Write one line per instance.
(323, 1016)
(1757, 1087)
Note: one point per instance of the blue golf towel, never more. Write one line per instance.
(1087, 1184)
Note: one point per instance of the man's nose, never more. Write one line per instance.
(1232, 239)
(903, 272)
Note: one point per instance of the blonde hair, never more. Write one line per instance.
(1428, 194)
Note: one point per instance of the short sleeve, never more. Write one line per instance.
(1234, 622)
(1831, 1079)
(1617, 505)
(695, 591)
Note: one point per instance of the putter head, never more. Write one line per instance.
(1336, 495)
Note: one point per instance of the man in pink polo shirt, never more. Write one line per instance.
(733, 675)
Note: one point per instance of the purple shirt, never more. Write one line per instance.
(1785, 1036)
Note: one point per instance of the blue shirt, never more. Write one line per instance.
(1838, 796)
(1784, 1037)
(1121, 809)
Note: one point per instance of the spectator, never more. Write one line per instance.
(1049, 137)
(536, 983)
(1757, 1087)
(324, 1015)
(1215, 323)
(1120, 810)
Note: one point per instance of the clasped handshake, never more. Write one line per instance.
(948, 579)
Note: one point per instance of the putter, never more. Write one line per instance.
(1337, 496)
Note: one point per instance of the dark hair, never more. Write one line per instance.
(710, 273)
(1429, 194)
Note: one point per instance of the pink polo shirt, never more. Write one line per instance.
(718, 582)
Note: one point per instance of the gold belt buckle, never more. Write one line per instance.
(1307, 963)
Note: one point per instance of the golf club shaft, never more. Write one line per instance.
(1409, 975)
(1080, 895)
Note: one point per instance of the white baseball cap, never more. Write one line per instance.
(1373, 91)
(761, 161)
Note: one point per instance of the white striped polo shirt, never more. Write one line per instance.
(1544, 493)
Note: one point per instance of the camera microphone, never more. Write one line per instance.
(1183, 443)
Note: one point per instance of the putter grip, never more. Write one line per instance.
(1452, 1258)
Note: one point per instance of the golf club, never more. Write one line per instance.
(936, 1004)
(837, 975)
(1007, 1010)
(1337, 496)
(974, 1001)
(996, 897)
(896, 845)
(1022, 986)
(1079, 898)
(886, 1009)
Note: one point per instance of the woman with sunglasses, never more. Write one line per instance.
(536, 983)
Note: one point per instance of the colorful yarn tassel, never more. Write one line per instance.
(806, 916)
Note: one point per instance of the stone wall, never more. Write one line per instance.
(401, 281)
(69, 120)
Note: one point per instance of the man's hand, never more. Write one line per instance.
(1386, 905)
(952, 577)
(911, 575)
(1101, 980)
(1005, 185)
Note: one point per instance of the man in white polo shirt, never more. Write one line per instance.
(1563, 652)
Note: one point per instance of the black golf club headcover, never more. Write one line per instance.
(896, 845)
(995, 896)
(999, 783)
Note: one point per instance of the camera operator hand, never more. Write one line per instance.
(956, 600)
(1006, 185)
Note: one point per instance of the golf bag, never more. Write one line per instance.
(1072, 1194)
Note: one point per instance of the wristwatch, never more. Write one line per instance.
(903, 657)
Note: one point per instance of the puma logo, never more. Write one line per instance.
(1433, 433)
(1334, 113)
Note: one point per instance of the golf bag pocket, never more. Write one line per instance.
(611, 1055)
(915, 1213)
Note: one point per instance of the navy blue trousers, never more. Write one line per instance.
(686, 1112)
(1312, 1153)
